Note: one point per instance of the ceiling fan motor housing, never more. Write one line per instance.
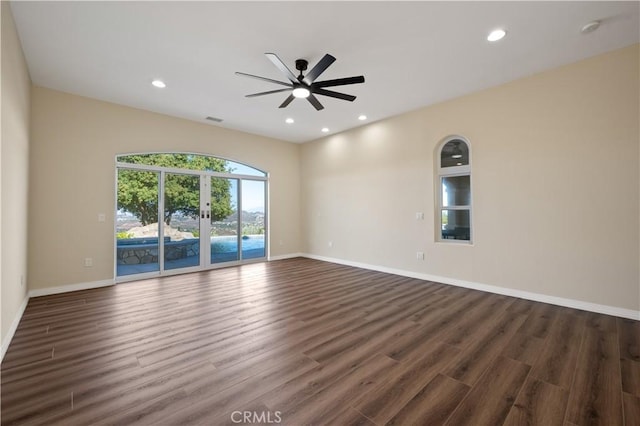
(301, 65)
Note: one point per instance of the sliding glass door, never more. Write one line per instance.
(201, 215)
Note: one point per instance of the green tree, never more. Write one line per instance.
(138, 190)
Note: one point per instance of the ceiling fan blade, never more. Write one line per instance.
(318, 69)
(253, 95)
(339, 81)
(282, 67)
(333, 94)
(315, 102)
(264, 79)
(287, 101)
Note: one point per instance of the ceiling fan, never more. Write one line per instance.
(305, 86)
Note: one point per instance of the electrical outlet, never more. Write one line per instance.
(102, 217)
(330, 244)
(420, 255)
(88, 262)
(21, 281)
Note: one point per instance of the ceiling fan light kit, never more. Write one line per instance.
(301, 92)
(306, 86)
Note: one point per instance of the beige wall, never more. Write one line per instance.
(555, 161)
(14, 159)
(74, 144)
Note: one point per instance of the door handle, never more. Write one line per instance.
(202, 214)
(208, 213)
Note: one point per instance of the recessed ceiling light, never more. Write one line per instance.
(362, 117)
(496, 35)
(301, 92)
(159, 83)
(289, 120)
(590, 27)
(324, 130)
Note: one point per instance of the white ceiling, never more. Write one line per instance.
(412, 54)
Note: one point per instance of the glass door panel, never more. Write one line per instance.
(181, 219)
(224, 220)
(253, 219)
(137, 245)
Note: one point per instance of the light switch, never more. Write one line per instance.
(102, 217)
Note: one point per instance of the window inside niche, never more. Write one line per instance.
(454, 191)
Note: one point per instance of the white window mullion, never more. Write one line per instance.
(161, 220)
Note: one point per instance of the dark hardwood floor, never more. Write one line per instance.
(301, 341)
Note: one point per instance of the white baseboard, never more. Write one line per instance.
(536, 297)
(70, 287)
(14, 326)
(286, 256)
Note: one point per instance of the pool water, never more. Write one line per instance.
(229, 244)
(223, 249)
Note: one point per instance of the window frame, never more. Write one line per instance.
(452, 171)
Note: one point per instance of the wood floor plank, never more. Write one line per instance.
(434, 324)
(350, 417)
(469, 365)
(557, 361)
(224, 378)
(404, 382)
(433, 404)
(37, 409)
(146, 408)
(331, 349)
(524, 348)
(290, 394)
(539, 320)
(522, 306)
(629, 339)
(601, 322)
(475, 319)
(538, 403)
(63, 379)
(322, 405)
(205, 407)
(94, 403)
(491, 399)
(596, 397)
(324, 343)
(451, 307)
(27, 357)
(630, 371)
(631, 410)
